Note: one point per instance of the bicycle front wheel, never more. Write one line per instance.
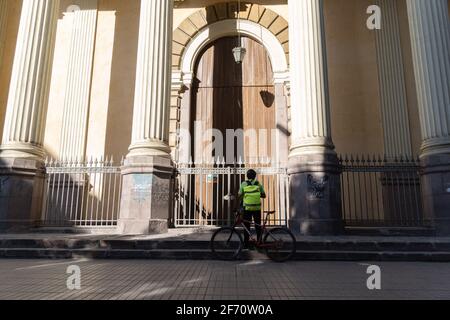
(226, 244)
(280, 244)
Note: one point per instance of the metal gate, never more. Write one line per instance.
(82, 193)
(200, 192)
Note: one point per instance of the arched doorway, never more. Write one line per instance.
(216, 92)
(233, 104)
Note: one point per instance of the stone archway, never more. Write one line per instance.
(204, 18)
(215, 22)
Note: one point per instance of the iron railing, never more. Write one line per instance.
(82, 193)
(382, 192)
(201, 190)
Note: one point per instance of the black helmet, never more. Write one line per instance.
(251, 174)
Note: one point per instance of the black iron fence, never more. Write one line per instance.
(382, 192)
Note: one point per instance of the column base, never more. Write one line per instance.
(146, 195)
(21, 194)
(436, 190)
(315, 194)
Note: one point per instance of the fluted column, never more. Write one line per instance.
(146, 191)
(309, 78)
(394, 106)
(79, 78)
(153, 80)
(430, 36)
(3, 20)
(315, 193)
(28, 95)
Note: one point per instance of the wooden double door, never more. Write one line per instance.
(231, 96)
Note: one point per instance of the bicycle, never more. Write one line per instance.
(278, 243)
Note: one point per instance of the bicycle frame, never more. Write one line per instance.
(239, 221)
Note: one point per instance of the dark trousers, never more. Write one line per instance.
(256, 216)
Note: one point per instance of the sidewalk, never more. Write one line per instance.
(215, 280)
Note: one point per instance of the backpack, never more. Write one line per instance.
(252, 194)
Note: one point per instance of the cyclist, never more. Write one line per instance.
(250, 193)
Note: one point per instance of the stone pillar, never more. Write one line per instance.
(391, 74)
(22, 153)
(3, 21)
(430, 35)
(78, 84)
(146, 196)
(313, 163)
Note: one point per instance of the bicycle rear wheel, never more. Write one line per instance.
(226, 244)
(280, 244)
